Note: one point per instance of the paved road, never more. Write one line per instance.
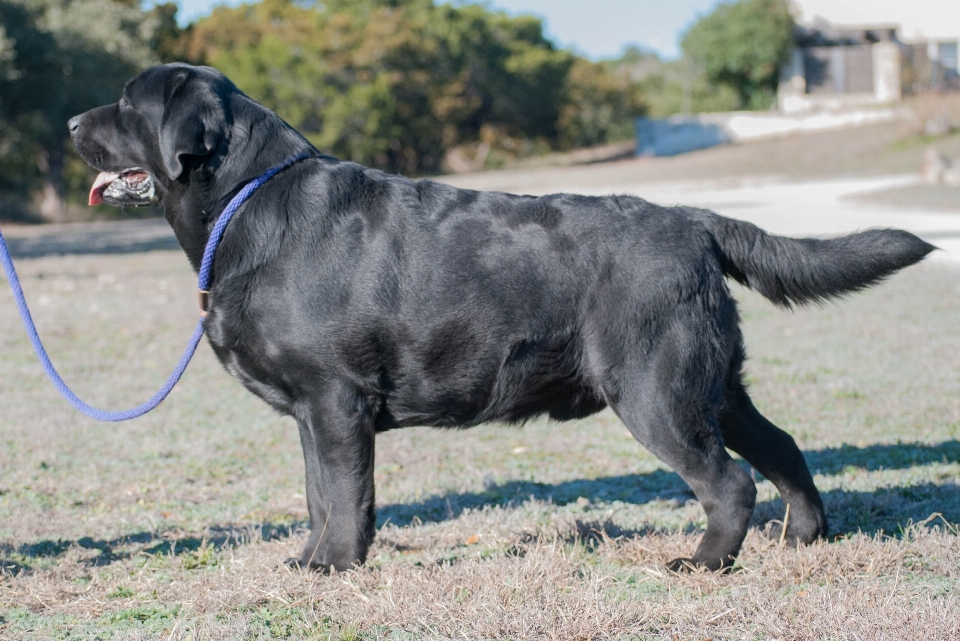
(814, 208)
(824, 207)
(783, 207)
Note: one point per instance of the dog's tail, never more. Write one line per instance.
(792, 271)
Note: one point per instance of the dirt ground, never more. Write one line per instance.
(174, 526)
(892, 148)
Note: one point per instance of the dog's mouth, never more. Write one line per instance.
(130, 188)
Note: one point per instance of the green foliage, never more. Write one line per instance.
(285, 622)
(664, 91)
(204, 556)
(147, 617)
(743, 45)
(60, 58)
(401, 83)
(393, 84)
(7, 54)
(167, 35)
(406, 85)
(602, 102)
(673, 87)
(22, 47)
(121, 592)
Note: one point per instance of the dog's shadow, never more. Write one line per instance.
(885, 509)
(15, 559)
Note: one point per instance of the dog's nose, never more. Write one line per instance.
(74, 124)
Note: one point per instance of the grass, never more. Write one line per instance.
(174, 526)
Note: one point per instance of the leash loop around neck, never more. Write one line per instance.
(205, 278)
(216, 234)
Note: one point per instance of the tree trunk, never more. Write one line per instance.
(53, 199)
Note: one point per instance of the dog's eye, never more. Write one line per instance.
(124, 104)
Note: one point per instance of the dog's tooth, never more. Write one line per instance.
(104, 178)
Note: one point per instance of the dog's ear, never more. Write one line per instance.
(193, 123)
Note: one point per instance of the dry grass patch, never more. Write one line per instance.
(174, 526)
(565, 582)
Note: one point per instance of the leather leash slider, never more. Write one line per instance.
(203, 297)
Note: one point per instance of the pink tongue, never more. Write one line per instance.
(102, 182)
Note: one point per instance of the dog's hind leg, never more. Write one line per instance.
(669, 406)
(337, 435)
(775, 455)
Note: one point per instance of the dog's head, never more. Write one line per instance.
(169, 120)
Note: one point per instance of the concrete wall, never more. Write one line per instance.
(793, 96)
(887, 76)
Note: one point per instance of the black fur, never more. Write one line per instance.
(360, 302)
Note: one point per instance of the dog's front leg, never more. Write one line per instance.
(336, 431)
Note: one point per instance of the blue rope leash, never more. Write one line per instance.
(206, 276)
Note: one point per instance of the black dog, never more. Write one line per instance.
(359, 302)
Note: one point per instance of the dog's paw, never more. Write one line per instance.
(682, 565)
(796, 533)
(297, 564)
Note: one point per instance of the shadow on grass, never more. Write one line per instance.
(628, 488)
(898, 456)
(664, 485)
(16, 559)
(886, 509)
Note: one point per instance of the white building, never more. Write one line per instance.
(864, 52)
(917, 20)
(934, 23)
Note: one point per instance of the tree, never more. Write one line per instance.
(404, 85)
(63, 57)
(743, 45)
(390, 83)
(7, 53)
(166, 42)
(600, 106)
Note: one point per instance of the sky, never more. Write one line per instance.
(603, 28)
(917, 18)
(596, 28)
